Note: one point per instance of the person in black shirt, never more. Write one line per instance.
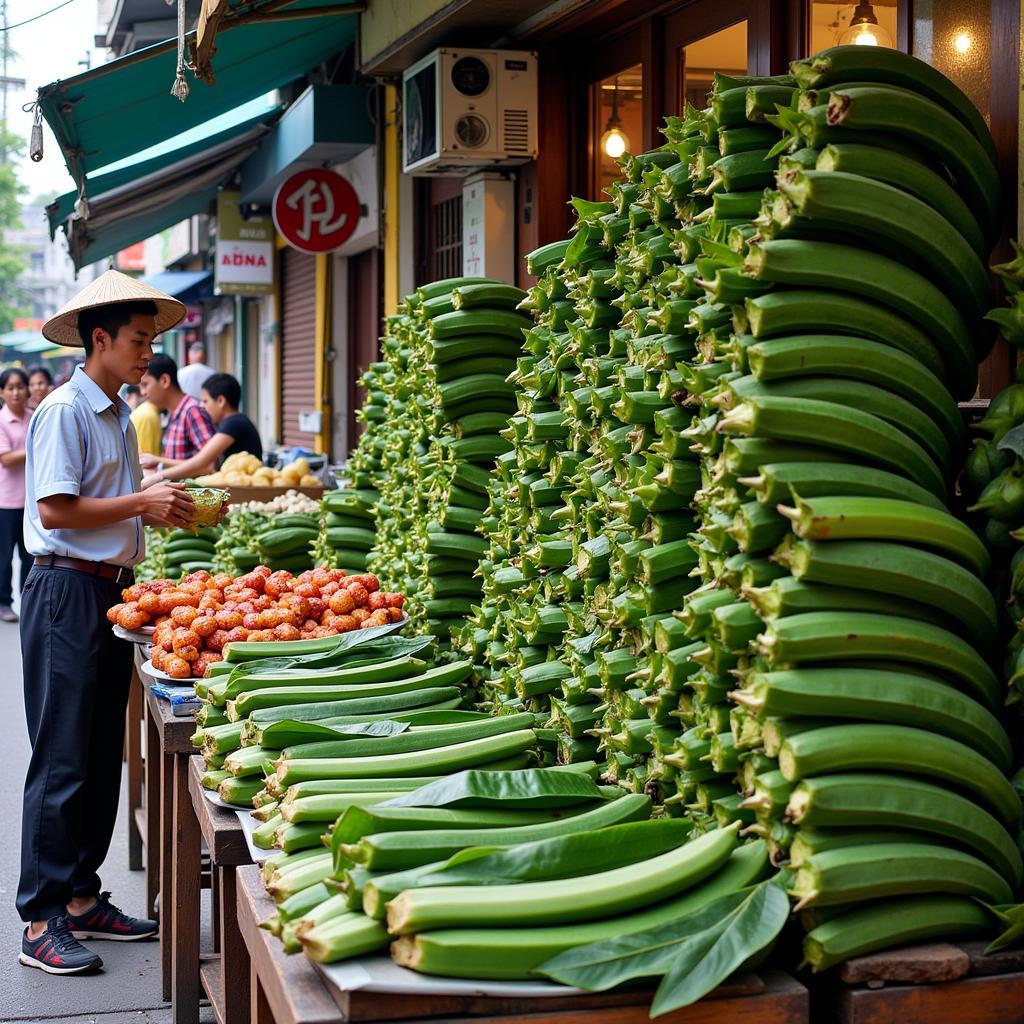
(235, 432)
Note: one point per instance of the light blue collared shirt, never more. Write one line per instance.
(82, 443)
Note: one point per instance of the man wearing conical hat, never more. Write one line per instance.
(84, 513)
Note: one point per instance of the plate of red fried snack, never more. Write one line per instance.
(137, 636)
(193, 620)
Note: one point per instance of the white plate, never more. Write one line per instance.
(155, 673)
(382, 974)
(135, 636)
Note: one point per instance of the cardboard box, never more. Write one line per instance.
(239, 495)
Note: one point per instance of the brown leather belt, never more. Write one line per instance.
(117, 573)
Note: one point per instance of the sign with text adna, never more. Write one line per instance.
(245, 250)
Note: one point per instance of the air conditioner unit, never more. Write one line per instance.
(467, 109)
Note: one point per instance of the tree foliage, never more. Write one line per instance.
(12, 257)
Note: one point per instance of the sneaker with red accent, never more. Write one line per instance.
(105, 921)
(57, 951)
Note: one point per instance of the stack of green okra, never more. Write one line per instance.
(808, 342)
(448, 353)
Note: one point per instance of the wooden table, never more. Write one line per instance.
(289, 990)
(224, 977)
(168, 744)
(973, 988)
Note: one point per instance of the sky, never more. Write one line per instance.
(47, 49)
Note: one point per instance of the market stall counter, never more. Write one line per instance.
(923, 985)
(291, 990)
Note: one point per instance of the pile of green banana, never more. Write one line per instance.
(448, 354)
(171, 553)
(286, 543)
(761, 608)
(534, 591)
(347, 531)
(236, 551)
(154, 565)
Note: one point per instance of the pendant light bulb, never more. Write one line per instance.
(614, 141)
(864, 29)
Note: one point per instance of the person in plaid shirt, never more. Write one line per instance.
(189, 426)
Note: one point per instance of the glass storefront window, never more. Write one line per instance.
(618, 122)
(829, 21)
(724, 51)
(954, 36)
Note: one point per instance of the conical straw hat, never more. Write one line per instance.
(108, 289)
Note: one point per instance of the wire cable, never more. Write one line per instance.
(35, 17)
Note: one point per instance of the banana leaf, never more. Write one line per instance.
(693, 954)
(534, 788)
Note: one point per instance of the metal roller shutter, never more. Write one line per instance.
(298, 347)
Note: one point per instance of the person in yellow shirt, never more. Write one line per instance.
(146, 419)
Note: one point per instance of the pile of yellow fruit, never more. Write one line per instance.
(245, 470)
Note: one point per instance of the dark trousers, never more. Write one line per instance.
(77, 676)
(11, 536)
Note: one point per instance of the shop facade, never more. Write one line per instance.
(610, 72)
(284, 328)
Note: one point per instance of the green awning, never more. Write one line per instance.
(135, 212)
(126, 106)
(36, 346)
(15, 339)
(203, 140)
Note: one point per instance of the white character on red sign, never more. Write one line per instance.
(307, 194)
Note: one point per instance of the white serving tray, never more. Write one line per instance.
(382, 974)
(249, 825)
(135, 636)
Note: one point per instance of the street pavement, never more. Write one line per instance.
(127, 989)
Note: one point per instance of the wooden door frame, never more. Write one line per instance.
(696, 21)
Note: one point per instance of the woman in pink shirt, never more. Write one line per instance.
(14, 420)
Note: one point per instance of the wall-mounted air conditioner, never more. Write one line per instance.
(467, 109)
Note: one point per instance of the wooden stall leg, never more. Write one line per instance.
(234, 956)
(260, 1012)
(133, 755)
(166, 841)
(216, 905)
(154, 822)
(183, 896)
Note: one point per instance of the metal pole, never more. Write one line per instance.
(3, 15)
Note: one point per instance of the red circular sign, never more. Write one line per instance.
(316, 211)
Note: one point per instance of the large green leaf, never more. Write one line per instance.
(533, 787)
(694, 953)
(700, 967)
(296, 732)
(603, 965)
(350, 651)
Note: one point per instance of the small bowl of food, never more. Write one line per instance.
(208, 502)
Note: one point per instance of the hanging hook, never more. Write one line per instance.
(180, 88)
(35, 139)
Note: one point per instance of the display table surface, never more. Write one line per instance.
(942, 983)
(291, 990)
